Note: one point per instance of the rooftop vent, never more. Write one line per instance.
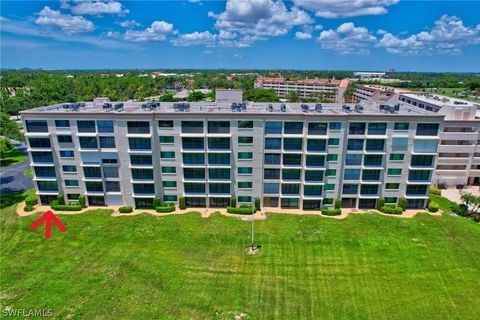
(107, 106)
(181, 106)
(345, 108)
(359, 108)
(318, 107)
(118, 106)
(304, 107)
(283, 107)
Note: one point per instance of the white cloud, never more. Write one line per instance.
(345, 8)
(347, 39)
(303, 35)
(447, 37)
(95, 7)
(205, 38)
(129, 24)
(158, 31)
(65, 22)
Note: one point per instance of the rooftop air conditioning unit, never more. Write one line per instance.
(318, 107)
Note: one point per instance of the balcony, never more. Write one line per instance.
(469, 136)
(457, 148)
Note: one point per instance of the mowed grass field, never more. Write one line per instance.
(187, 267)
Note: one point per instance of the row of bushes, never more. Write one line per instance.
(243, 209)
(331, 212)
(125, 209)
(60, 205)
(166, 207)
(391, 209)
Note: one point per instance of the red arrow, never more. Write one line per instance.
(48, 217)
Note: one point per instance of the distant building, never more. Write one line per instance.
(369, 75)
(365, 93)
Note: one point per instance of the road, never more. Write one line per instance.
(12, 178)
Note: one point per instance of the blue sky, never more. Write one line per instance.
(243, 34)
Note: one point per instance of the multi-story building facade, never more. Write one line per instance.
(372, 93)
(328, 89)
(459, 150)
(289, 156)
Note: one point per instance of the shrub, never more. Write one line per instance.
(402, 203)
(257, 204)
(157, 202)
(82, 201)
(165, 208)
(435, 191)
(31, 200)
(60, 199)
(233, 202)
(182, 204)
(331, 212)
(125, 209)
(28, 208)
(380, 203)
(338, 203)
(389, 209)
(432, 207)
(65, 207)
(244, 209)
(460, 209)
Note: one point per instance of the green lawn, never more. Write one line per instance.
(186, 267)
(11, 156)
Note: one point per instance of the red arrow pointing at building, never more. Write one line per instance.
(48, 217)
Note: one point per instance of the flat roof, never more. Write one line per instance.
(369, 108)
(437, 99)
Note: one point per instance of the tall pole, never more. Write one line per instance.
(253, 221)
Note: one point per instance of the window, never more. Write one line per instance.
(92, 172)
(86, 126)
(64, 139)
(330, 172)
(293, 128)
(142, 174)
(94, 186)
(73, 196)
(140, 159)
(245, 155)
(315, 161)
(245, 170)
(143, 203)
(317, 128)
(105, 126)
(138, 127)
(42, 157)
(292, 159)
(36, 125)
(290, 203)
(194, 187)
(419, 175)
(427, 129)
(69, 169)
(312, 204)
(291, 174)
(377, 128)
(192, 126)
(166, 139)
(394, 172)
(169, 184)
(390, 200)
(62, 123)
(109, 161)
(425, 146)
(194, 173)
(271, 188)
(334, 126)
(313, 175)
(417, 190)
(397, 156)
(422, 161)
(167, 155)
(271, 173)
(193, 158)
(169, 198)
(415, 203)
(165, 124)
(399, 144)
(328, 187)
(332, 157)
(244, 185)
(392, 186)
(110, 172)
(96, 201)
(245, 140)
(44, 172)
(369, 189)
(219, 173)
(107, 142)
(143, 188)
(67, 154)
(88, 142)
(139, 143)
(375, 144)
(47, 185)
(273, 143)
(169, 169)
(273, 127)
(351, 174)
(272, 158)
(309, 190)
(218, 127)
(292, 143)
(350, 188)
(112, 186)
(316, 145)
(221, 188)
(290, 189)
(219, 158)
(355, 144)
(356, 128)
(373, 160)
(401, 126)
(219, 143)
(39, 142)
(190, 143)
(333, 141)
(353, 159)
(371, 175)
(245, 124)
(244, 199)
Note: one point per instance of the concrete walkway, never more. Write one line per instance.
(12, 178)
(454, 194)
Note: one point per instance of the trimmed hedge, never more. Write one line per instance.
(182, 204)
(31, 200)
(257, 203)
(389, 209)
(243, 209)
(125, 209)
(82, 201)
(233, 202)
(157, 202)
(435, 191)
(432, 207)
(338, 203)
(403, 203)
(380, 203)
(60, 199)
(167, 207)
(28, 208)
(331, 212)
(66, 207)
